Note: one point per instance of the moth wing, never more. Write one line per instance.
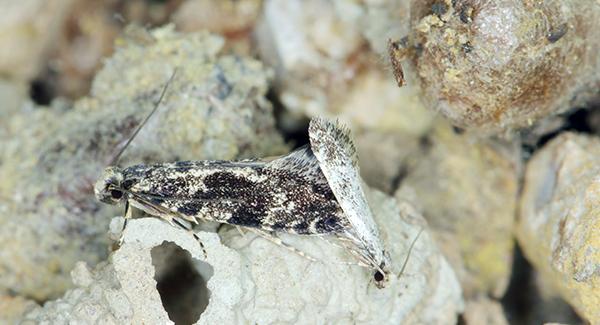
(145, 202)
(335, 151)
(301, 162)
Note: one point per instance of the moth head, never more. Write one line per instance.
(108, 188)
(381, 275)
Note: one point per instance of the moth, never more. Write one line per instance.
(315, 190)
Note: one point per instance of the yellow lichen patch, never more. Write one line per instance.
(489, 261)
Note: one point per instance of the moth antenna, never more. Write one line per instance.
(115, 160)
(410, 251)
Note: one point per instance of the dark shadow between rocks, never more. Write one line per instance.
(524, 302)
(181, 283)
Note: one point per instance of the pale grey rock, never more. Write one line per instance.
(299, 46)
(326, 65)
(384, 157)
(255, 281)
(380, 20)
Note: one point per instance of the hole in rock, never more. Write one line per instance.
(181, 282)
(293, 129)
(41, 92)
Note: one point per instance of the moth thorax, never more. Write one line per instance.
(108, 187)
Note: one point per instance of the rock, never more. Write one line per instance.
(325, 64)
(547, 305)
(308, 67)
(12, 308)
(221, 17)
(13, 96)
(28, 28)
(233, 19)
(381, 20)
(87, 37)
(559, 219)
(384, 157)
(483, 310)
(497, 66)
(214, 109)
(375, 103)
(252, 280)
(467, 189)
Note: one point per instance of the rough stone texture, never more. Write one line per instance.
(499, 65)
(467, 189)
(50, 156)
(256, 281)
(27, 29)
(559, 225)
(328, 61)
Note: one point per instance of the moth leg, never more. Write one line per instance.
(277, 241)
(128, 212)
(176, 222)
(122, 237)
(127, 215)
(359, 263)
(240, 230)
(362, 260)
